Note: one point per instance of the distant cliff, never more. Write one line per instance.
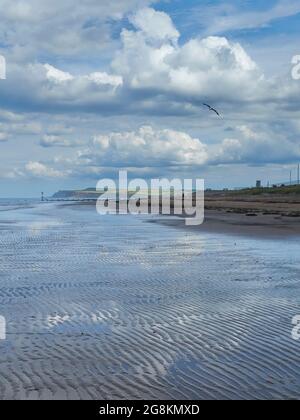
(77, 194)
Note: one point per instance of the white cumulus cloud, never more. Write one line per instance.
(40, 170)
(57, 75)
(146, 147)
(155, 25)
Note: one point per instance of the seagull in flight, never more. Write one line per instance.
(213, 110)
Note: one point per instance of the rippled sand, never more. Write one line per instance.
(118, 308)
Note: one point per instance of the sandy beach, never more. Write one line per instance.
(241, 224)
(116, 307)
(268, 215)
(234, 213)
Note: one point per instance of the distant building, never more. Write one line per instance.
(258, 184)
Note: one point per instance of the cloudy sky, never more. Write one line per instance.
(94, 86)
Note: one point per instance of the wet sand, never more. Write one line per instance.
(115, 307)
(270, 215)
(241, 224)
(266, 215)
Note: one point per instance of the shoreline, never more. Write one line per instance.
(242, 221)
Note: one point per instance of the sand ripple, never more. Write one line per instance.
(120, 309)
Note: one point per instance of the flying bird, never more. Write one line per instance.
(213, 110)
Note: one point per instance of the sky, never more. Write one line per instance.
(95, 87)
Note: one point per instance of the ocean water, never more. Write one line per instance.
(123, 307)
(7, 204)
